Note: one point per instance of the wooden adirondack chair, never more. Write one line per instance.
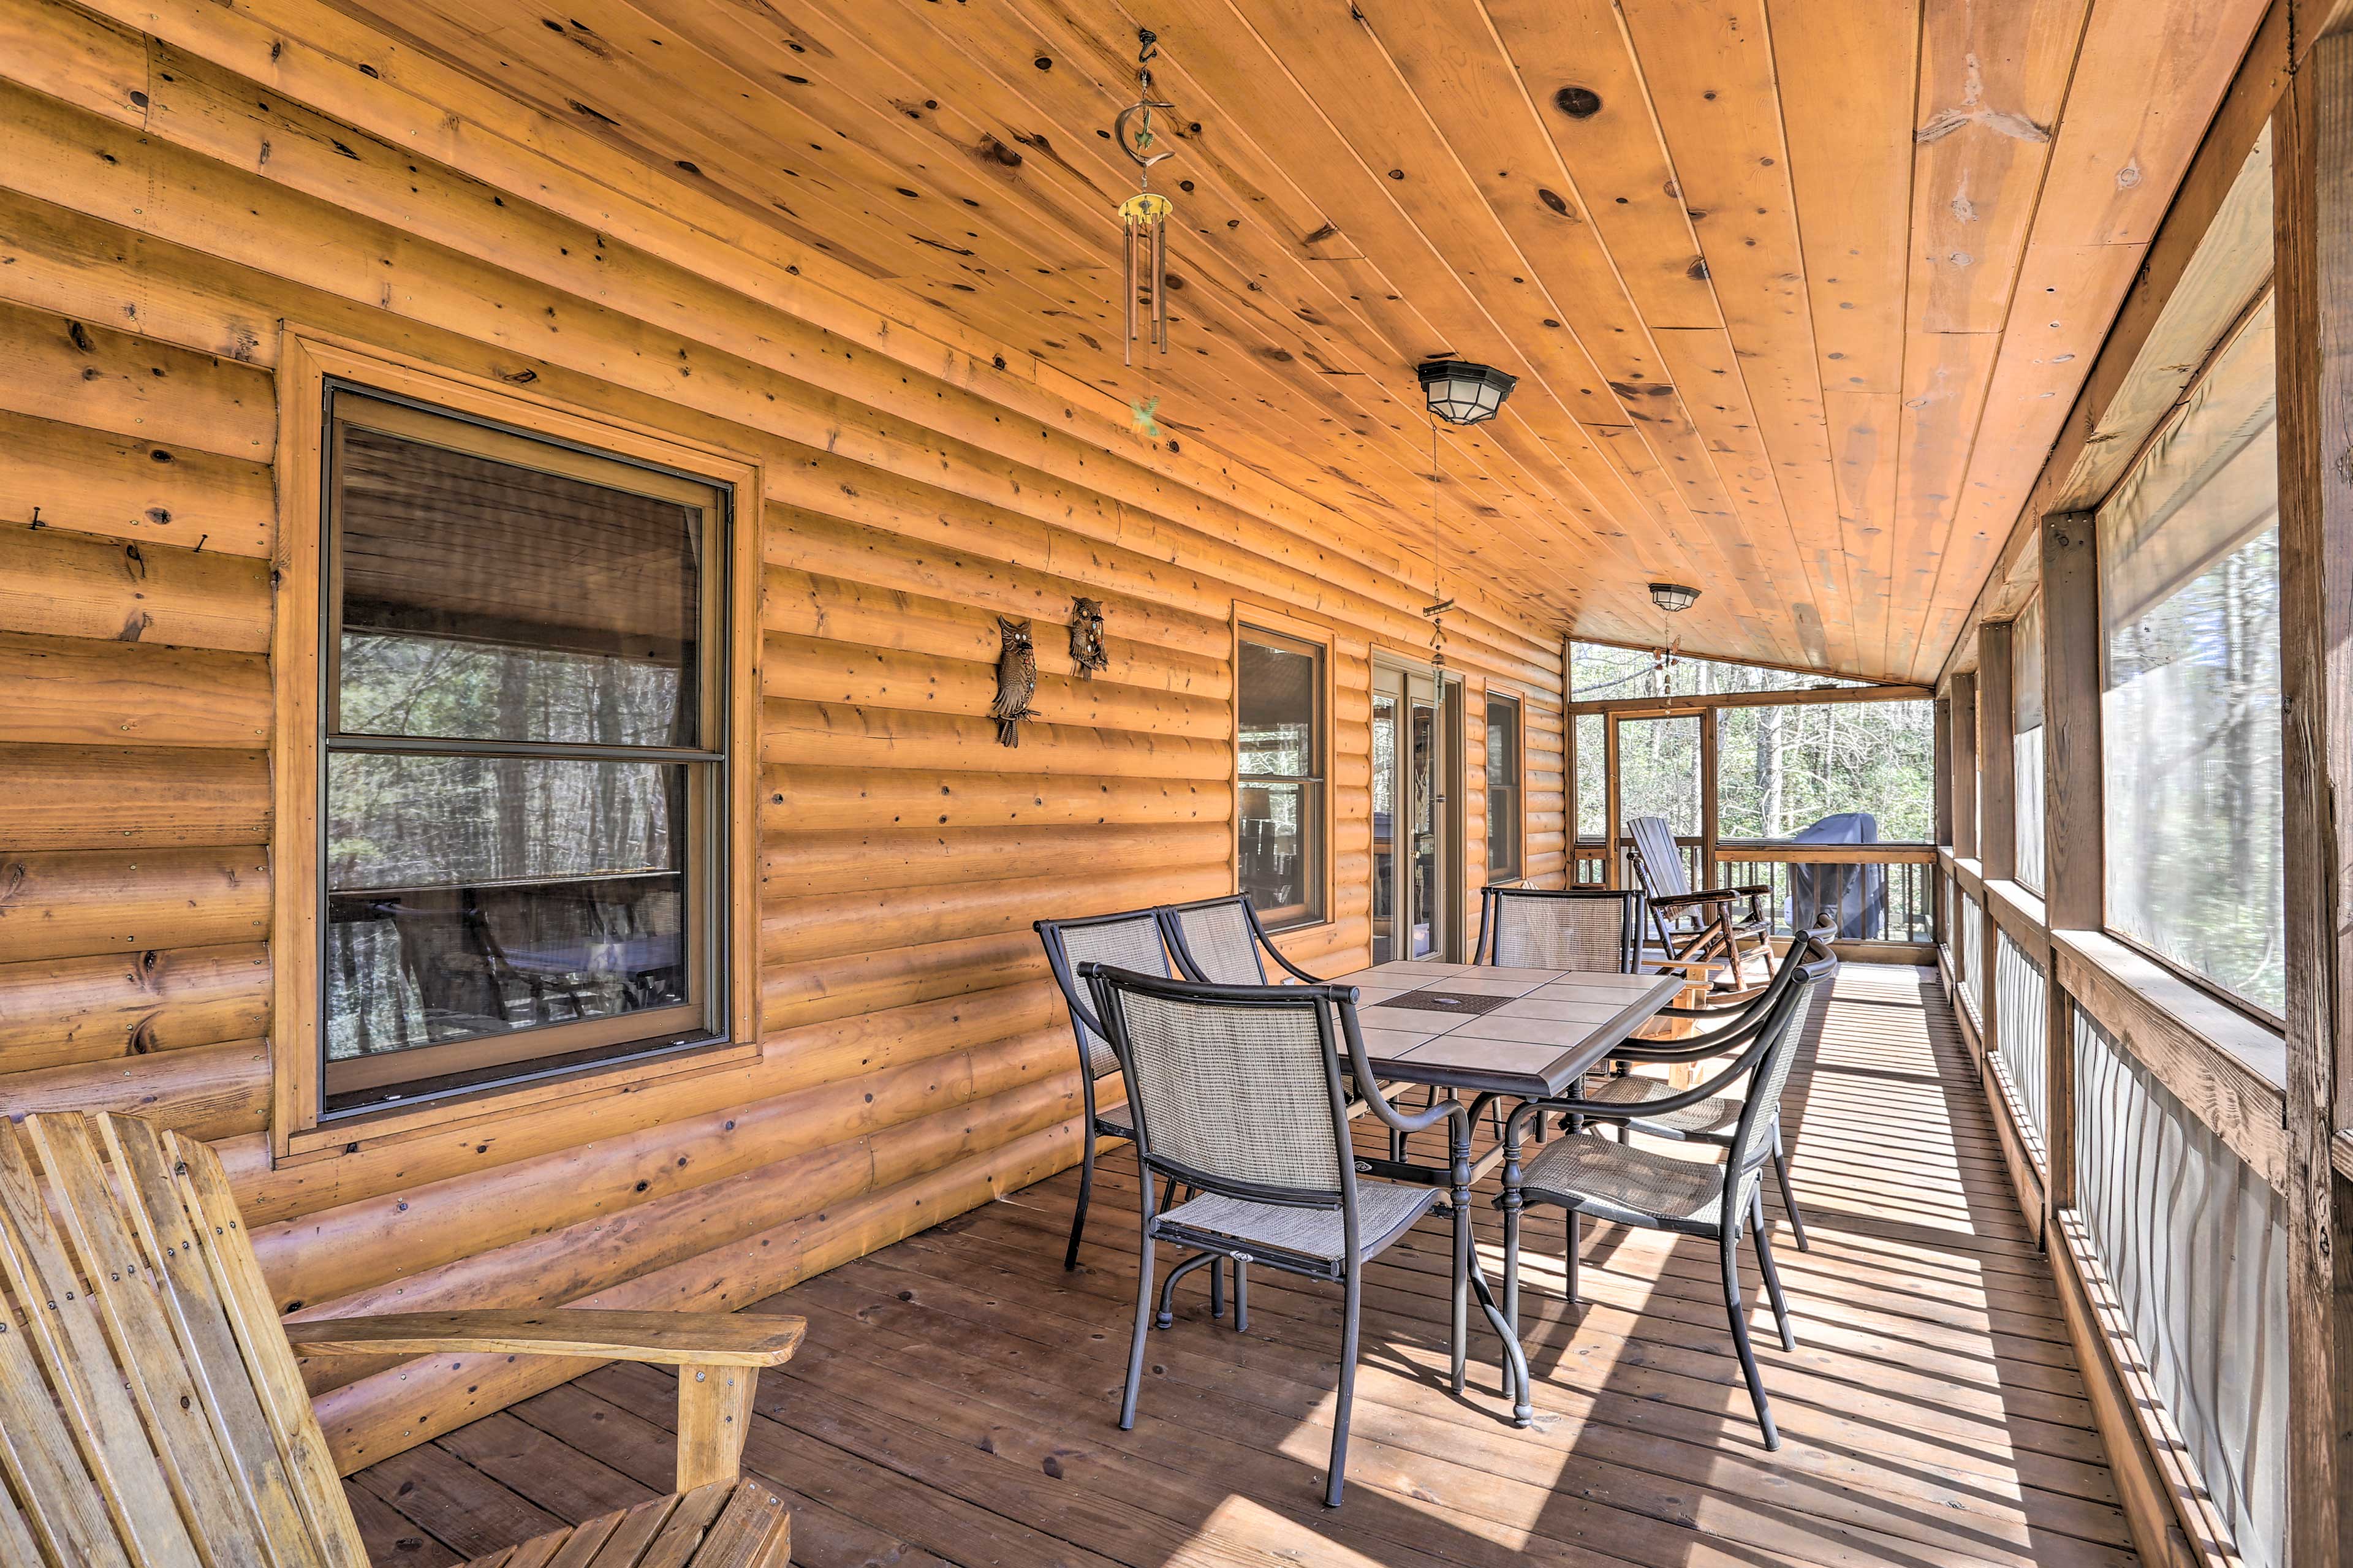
(151, 1414)
(1701, 927)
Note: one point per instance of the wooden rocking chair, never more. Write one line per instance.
(153, 1415)
(1705, 930)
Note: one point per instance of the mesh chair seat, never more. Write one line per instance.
(1116, 1120)
(1385, 1210)
(1626, 1184)
(1718, 1115)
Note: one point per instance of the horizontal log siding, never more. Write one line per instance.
(163, 217)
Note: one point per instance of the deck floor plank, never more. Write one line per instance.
(956, 1402)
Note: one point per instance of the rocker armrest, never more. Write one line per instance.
(719, 1356)
(1704, 895)
(1749, 891)
(672, 1339)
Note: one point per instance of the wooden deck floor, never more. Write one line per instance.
(957, 1400)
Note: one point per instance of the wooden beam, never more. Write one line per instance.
(2312, 200)
(2074, 868)
(1964, 700)
(1698, 704)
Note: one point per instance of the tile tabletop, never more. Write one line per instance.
(1521, 1032)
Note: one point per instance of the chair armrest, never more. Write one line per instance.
(1706, 896)
(1750, 890)
(672, 1339)
(719, 1356)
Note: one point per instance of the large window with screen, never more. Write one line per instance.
(2191, 706)
(522, 767)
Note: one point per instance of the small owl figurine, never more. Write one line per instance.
(1087, 637)
(1017, 681)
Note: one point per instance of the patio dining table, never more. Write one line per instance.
(1492, 1034)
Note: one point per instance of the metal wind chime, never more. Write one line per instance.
(1144, 214)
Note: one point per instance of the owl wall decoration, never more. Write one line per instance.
(1017, 681)
(1087, 637)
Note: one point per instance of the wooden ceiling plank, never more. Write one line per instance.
(1849, 76)
(1320, 309)
(609, 96)
(1708, 71)
(888, 117)
(2163, 67)
(1463, 80)
(1610, 148)
(1330, 168)
(1547, 481)
(1339, 63)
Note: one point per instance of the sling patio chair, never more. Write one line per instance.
(1238, 1093)
(153, 1411)
(1716, 1200)
(1222, 941)
(1712, 1122)
(1708, 925)
(1595, 929)
(1133, 939)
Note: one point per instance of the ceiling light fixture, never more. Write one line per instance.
(1672, 597)
(1461, 393)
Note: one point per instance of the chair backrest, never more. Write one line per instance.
(1570, 928)
(149, 1404)
(1217, 940)
(1752, 1143)
(1658, 858)
(1234, 1089)
(1130, 940)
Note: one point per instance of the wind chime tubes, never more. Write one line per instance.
(1143, 215)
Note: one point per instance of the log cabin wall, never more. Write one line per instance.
(164, 221)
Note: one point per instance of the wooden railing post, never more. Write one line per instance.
(1965, 765)
(2073, 864)
(2312, 152)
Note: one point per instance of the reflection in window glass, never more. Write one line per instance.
(1278, 692)
(2026, 740)
(507, 890)
(1783, 772)
(2191, 712)
(1502, 790)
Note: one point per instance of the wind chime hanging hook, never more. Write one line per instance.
(1143, 215)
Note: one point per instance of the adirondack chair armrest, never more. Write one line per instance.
(719, 1356)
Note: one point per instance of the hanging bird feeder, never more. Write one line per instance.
(1144, 216)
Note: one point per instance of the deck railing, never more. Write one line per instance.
(1897, 904)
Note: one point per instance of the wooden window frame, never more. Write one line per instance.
(1519, 785)
(309, 363)
(1303, 637)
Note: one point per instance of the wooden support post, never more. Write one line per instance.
(1709, 822)
(2073, 865)
(714, 1416)
(1996, 761)
(2312, 149)
(1572, 798)
(1941, 766)
(1965, 766)
(1612, 873)
(1997, 819)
